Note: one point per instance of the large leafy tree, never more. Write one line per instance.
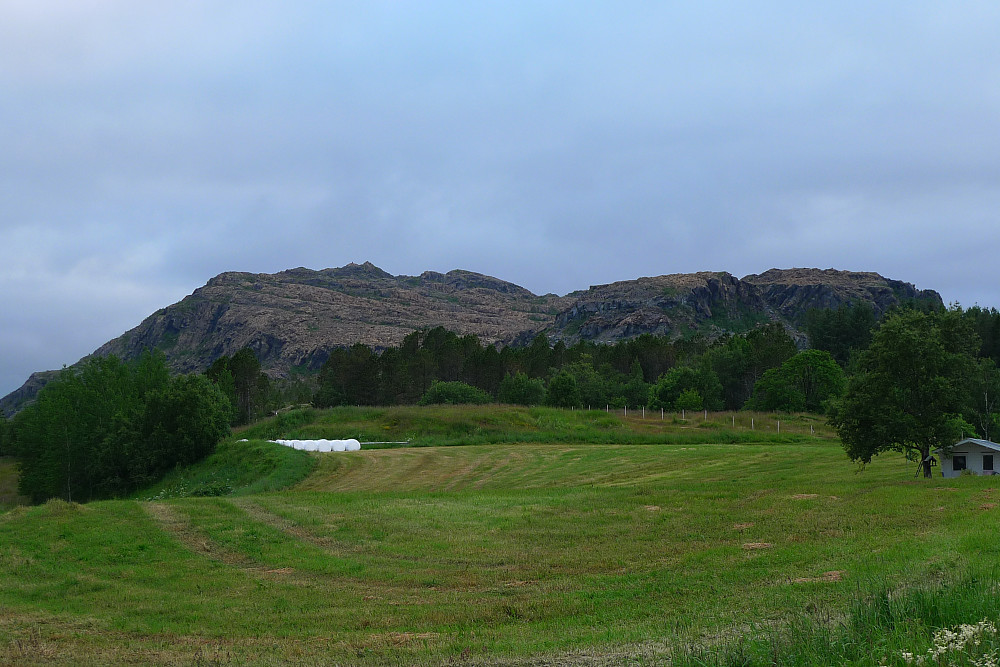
(803, 382)
(910, 387)
(563, 391)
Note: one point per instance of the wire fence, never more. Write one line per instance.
(754, 421)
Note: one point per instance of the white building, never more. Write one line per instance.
(971, 454)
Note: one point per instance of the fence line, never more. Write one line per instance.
(703, 416)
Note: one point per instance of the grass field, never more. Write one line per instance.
(542, 549)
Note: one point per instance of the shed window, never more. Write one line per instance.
(987, 462)
(958, 462)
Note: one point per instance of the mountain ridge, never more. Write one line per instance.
(293, 318)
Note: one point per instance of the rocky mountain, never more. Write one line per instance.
(292, 319)
(793, 292)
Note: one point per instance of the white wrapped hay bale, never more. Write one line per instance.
(320, 445)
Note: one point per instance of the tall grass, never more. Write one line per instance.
(883, 625)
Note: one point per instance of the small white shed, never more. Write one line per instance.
(971, 454)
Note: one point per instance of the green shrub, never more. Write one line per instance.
(454, 393)
(563, 391)
(521, 390)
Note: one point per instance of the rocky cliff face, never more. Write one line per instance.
(793, 292)
(672, 305)
(294, 318)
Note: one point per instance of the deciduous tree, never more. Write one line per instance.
(910, 388)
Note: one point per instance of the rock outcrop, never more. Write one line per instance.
(793, 292)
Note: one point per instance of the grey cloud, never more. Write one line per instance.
(150, 147)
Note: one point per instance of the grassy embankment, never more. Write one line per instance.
(579, 546)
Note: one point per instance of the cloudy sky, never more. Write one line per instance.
(147, 147)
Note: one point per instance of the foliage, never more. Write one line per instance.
(984, 403)
(842, 330)
(910, 387)
(592, 386)
(239, 377)
(182, 422)
(688, 382)
(563, 391)
(945, 624)
(616, 374)
(689, 399)
(740, 361)
(5, 436)
(454, 393)
(519, 389)
(347, 378)
(109, 427)
(803, 382)
(987, 324)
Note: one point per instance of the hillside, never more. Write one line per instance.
(293, 319)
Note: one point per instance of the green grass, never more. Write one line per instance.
(711, 549)
(236, 468)
(431, 426)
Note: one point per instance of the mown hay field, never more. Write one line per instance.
(524, 553)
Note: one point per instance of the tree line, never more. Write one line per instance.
(761, 368)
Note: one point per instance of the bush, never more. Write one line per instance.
(689, 399)
(521, 390)
(563, 392)
(454, 393)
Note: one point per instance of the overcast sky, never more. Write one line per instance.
(146, 147)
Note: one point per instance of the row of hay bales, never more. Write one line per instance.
(350, 445)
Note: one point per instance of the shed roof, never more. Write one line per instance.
(975, 441)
